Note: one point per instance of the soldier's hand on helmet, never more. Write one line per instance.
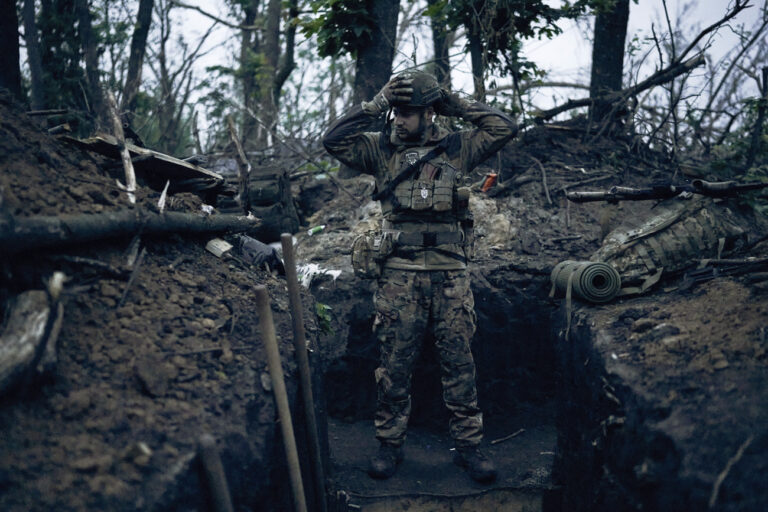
(450, 104)
(398, 90)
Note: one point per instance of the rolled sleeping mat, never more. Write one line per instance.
(592, 281)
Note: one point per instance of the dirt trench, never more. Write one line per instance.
(647, 403)
(597, 429)
(571, 426)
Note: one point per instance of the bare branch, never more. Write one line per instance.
(215, 18)
(526, 86)
(660, 77)
(738, 6)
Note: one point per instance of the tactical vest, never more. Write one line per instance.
(431, 190)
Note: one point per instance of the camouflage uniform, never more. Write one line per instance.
(424, 284)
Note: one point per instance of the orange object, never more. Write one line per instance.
(490, 180)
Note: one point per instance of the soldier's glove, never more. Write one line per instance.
(398, 90)
(451, 104)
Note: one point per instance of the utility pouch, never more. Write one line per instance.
(369, 252)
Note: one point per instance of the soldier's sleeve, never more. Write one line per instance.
(493, 129)
(348, 141)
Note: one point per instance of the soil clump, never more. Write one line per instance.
(144, 367)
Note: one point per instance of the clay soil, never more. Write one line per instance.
(116, 425)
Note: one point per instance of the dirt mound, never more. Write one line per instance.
(665, 401)
(145, 366)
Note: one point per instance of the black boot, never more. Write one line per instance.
(480, 468)
(384, 463)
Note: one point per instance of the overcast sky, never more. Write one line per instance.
(565, 58)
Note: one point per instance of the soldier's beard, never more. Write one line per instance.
(415, 135)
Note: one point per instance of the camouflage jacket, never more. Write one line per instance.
(426, 203)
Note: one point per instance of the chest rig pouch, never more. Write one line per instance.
(432, 186)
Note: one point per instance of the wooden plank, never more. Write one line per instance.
(152, 164)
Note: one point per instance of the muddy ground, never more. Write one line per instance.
(115, 427)
(665, 402)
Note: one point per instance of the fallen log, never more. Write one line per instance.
(662, 76)
(28, 341)
(24, 234)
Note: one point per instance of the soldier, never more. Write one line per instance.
(422, 173)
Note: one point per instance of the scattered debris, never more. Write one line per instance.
(28, 342)
(309, 271)
(724, 473)
(510, 436)
(218, 247)
(156, 167)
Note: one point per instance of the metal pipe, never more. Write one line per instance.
(300, 344)
(214, 474)
(281, 396)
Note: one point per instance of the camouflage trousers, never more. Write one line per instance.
(407, 304)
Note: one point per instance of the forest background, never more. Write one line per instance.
(284, 70)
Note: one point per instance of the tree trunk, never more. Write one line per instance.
(442, 64)
(373, 66)
(287, 62)
(271, 52)
(90, 49)
(33, 55)
(476, 56)
(608, 55)
(166, 106)
(136, 59)
(249, 46)
(10, 72)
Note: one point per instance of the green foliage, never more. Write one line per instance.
(323, 312)
(115, 39)
(341, 26)
(60, 52)
(731, 157)
(502, 25)
(147, 124)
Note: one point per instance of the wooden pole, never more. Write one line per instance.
(302, 360)
(244, 168)
(125, 156)
(267, 327)
(215, 477)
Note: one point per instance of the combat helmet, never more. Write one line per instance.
(426, 90)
